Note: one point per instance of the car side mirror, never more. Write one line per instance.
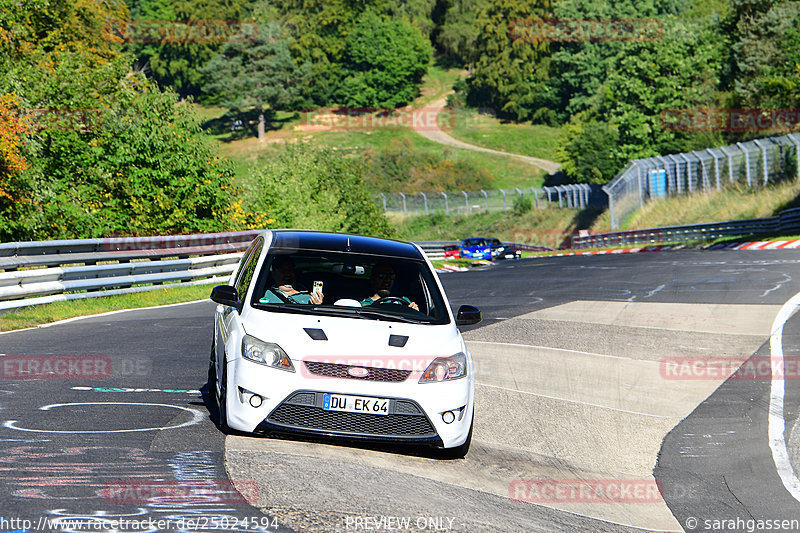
(468, 315)
(226, 295)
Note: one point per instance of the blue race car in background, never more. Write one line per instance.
(476, 248)
(488, 249)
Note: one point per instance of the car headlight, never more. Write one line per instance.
(445, 369)
(501, 249)
(265, 353)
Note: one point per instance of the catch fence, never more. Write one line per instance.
(482, 201)
(753, 163)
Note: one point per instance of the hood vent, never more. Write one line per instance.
(316, 334)
(398, 340)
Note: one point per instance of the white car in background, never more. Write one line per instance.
(364, 348)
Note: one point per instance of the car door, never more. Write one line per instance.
(228, 317)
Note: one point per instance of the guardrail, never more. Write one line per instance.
(40, 272)
(117, 265)
(786, 222)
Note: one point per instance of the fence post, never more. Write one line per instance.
(639, 183)
(425, 199)
(405, 210)
(486, 196)
(746, 162)
(611, 209)
(504, 199)
(764, 153)
(730, 163)
(466, 200)
(446, 207)
(716, 167)
(670, 183)
(688, 172)
(797, 154)
(383, 197)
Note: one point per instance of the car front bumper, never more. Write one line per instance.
(291, 402)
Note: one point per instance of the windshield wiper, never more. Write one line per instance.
(300, 309)
(390, 316)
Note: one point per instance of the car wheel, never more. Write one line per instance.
(222, 400)
(212, 374)
(459, 452)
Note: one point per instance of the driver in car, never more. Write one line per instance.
(285, 289)
(382, 279)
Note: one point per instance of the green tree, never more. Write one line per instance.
(459, 30)
(173, 40)
(680, 71)
(510, 73)
(105, 150)
(383, 63)
(767, 55)
(259, 74)
(589, 151)
(315, 188)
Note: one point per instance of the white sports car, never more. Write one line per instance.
(343, 336)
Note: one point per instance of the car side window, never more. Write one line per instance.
(248, 269)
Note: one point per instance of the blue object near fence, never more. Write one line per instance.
(658, 183)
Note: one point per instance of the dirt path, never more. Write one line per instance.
(435, 134)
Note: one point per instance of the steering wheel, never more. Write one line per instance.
(390, 300)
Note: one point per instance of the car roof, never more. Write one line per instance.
(293, 240)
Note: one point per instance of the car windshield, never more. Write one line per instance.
(474, 242)
(352, 285)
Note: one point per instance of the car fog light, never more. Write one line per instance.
(448, 417)
(256, 400)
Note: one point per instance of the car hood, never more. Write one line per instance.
(353, 337)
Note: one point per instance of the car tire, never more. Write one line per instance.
(212, 374)
(459, 452)
(222, 400)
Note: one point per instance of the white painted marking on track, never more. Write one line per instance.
(76, 318)
(562, 350)
(197, 417)
(777, 424)
(639, 413)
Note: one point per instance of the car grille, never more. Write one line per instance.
(405, 419)
(334, 370)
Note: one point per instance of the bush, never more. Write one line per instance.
(405, 168)
(141, 167)
(522, 204)
(315, 188)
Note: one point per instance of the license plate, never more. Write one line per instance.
(355, 404)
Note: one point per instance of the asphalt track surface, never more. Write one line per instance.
(98, 447)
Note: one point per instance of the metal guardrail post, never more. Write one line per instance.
(425, 199)
(446, 206)
(405, 209)
(504, 199)
(383, 197)
(466, 200)
(486, 197)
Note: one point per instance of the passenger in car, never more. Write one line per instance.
(382, 280)
(285, 289)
